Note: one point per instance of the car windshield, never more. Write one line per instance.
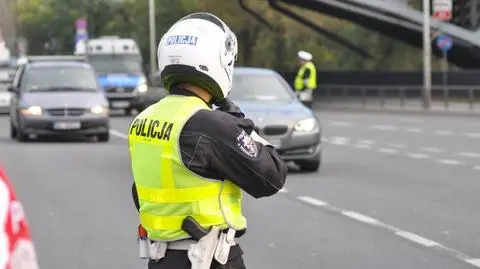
(105, 64)
(56, 78)
(264, 87)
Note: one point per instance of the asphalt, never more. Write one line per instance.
(376, 190)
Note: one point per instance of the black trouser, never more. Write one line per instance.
(178, 259)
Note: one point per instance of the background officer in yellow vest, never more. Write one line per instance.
(191, 160)
(306, 79)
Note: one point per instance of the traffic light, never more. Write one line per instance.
(465, 13)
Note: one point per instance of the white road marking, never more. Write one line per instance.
(431, 150)
(396, 145)
(384, 127)
(412, 237)
(340, 123)
(360, 217)
(283, 190)
(473, 135)
(474, 262)
(418, 155)
(339, 140)
(443, 132)
(368, 142)
(312, 201)
(414, 130)
(387, 150)
(118, 134)
(477, 167)
(417, 239)
(324, 139)
(363, 146)
(469, 154)
(450, 162)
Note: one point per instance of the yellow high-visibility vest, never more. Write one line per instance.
(312, 80)
(167, 190)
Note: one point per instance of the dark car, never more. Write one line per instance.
(57, 95)
(280, 118)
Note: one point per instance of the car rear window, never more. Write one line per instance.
(45, 78)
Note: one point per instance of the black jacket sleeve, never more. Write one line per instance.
(306, 74)
(224, 149)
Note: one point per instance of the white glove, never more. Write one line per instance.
(259, 139)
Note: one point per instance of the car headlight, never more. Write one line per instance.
(142, 88)
(99, 110)
(32, 111)
(306, 125)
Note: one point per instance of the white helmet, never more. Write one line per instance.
(304, 55)
(199, 49)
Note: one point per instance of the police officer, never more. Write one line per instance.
(306, 79)
(189, 159)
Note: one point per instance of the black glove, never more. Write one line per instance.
(226, 105)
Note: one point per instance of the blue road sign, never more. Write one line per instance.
(444, 42)
(81, 36)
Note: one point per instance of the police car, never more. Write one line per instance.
(119, 67)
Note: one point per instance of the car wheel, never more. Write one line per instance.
(104, 137)
(21, 136)
(311, 165)
(13, 131)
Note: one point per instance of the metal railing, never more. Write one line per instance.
(446, 98)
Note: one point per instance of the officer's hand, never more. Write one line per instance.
(226, 105)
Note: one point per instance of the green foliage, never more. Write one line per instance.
(53, 21)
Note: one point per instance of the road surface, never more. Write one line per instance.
(394, 191)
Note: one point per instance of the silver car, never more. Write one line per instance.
(6, 77)
(280, 118)
(57, 97)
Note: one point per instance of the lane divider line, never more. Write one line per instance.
(312, 201)
(450, 162)
(474, 262)
(406, 235)
(118, 134)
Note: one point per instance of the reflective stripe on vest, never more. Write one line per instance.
(168, 191)
(312, 80)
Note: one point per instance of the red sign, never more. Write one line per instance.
(442, 9)
(16, 246)
(444, 15)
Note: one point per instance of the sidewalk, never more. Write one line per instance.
(394, 105)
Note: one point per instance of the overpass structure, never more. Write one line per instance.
(393, 18)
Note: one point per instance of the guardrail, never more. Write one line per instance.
(446, 98)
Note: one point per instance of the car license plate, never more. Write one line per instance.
(120, 104)
(67, 125)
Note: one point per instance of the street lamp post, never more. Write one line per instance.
(427, 54)
(151, 17)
